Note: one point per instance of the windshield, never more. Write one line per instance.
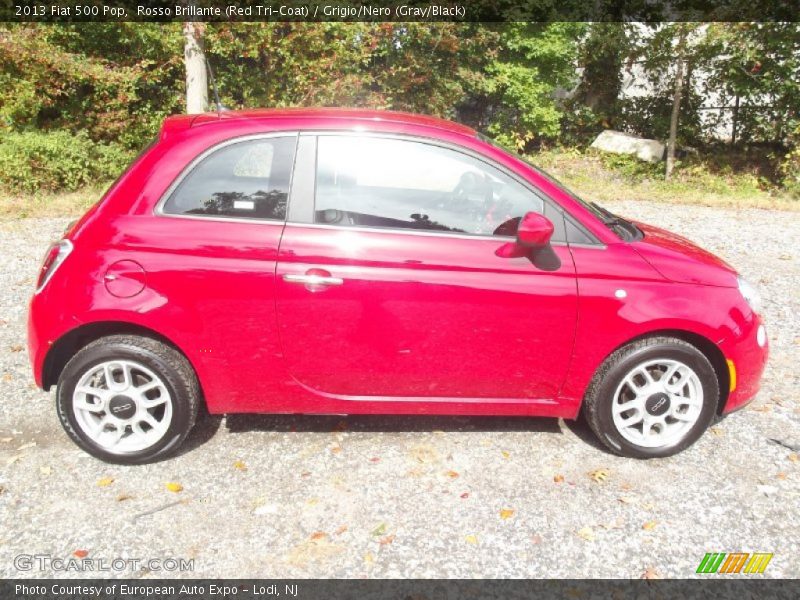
(623, 228)
(590, 206)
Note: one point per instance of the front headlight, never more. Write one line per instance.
(750, 293)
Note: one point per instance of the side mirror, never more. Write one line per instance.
(534, 231)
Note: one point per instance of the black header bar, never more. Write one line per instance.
(394, 10)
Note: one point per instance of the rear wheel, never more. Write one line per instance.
(652, 398)
(128, 399)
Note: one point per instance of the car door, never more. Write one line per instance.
(405, 282)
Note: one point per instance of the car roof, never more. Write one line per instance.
(353, 116)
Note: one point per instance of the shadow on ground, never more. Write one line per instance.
(386, 423)
(208, 425)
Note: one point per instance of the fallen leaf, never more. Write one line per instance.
(471, 539)
(793, 457)
(375, 459)
(123, 497)
(763, 408)
(506, 513)
(465, 495)
(587, 534)
(387, 540)
(615, 525)
(313, 551)
(45, 470)
(649, 525)
(336, 449)
(558, 478)
(318, 535)
(452, 474)
(506, 454)
(174, 487)
(240, 465)
(599, 475)
(312, 501)
(650, 573)
(305, 473)
(717, 431)
(627, 499)
(105, 481)
(7, 377)
(368, 558)
(781, 476)
(379, 530)
(81, 553)
(536, 539)
(13, 459)
(341, 530)
(424, 454)
(17, 348)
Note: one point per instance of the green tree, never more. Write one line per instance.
(518, 91)
(755, 68)
(115, 81)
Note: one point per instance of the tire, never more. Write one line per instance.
(644, 417)
(149, 406)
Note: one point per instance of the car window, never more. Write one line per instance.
(379, 182)
(248, 179)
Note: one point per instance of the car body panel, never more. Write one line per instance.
(681, 260)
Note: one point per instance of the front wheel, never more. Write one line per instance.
(652, 398)
(127, 399)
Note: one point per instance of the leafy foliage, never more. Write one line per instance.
(527, 84)
(535, 60)
(31, 161)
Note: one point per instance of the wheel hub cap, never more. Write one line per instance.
(657, 403)
(122, 407)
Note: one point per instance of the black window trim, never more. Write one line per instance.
(159, 211)
(300, 204)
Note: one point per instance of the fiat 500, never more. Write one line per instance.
(366, 262)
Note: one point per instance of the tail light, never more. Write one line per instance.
(52, 260)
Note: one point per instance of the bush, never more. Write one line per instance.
(34, 161)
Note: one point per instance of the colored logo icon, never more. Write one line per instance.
(734, 562)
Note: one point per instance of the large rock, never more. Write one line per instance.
(624, 143)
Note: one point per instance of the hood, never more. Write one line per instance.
(681, 260)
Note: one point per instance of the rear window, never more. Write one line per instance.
(248, 179)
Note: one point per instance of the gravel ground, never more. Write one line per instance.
(416, 497)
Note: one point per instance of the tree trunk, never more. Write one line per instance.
(195, 60)
(676, 103)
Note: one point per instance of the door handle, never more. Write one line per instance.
(313, 279)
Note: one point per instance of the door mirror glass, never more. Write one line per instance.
(534, 230)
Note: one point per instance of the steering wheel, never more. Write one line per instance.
(469, 183)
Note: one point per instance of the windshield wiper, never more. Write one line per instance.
(609, 218)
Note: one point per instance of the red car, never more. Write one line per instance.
(366, 262)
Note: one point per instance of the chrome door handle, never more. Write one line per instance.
(313, 279)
